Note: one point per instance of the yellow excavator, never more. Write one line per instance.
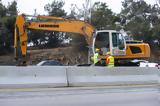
(105, 40)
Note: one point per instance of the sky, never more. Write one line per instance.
(28, 6)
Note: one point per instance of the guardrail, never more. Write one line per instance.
(59, 76)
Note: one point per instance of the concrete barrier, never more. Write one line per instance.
(54, 76)
(32, 76)
(103, 76)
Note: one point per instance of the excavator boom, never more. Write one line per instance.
(50, 24)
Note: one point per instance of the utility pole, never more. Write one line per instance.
(87, 10)
(87, 17)
(35, 12)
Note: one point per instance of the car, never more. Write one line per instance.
(142, 64)
(139, 61)
(128, 63)
(145, 63)
(50, 63)
(84, 65)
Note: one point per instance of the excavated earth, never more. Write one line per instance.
(71, 55)
(66, 55)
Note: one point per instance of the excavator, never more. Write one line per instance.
(105, 40)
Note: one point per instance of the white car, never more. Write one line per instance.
(139, 61)
(143, 64)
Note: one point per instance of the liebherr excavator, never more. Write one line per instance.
(106, 40)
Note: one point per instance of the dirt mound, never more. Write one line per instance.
(66, 55)
(7, 60)
(155, 56)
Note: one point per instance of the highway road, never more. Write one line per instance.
(82, 96)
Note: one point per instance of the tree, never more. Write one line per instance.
(2, 10)
(7, 21)
(102, 16)
(55, 8)
(141, 19)
(12, 9)
(49, 38)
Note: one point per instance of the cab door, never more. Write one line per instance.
(117, 44)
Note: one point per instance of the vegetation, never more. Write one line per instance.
(142, 20)
(7, 20)
(49, 38)
(103, 17)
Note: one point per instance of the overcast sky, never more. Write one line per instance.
(28, 6)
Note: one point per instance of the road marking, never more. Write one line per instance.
(82, 88)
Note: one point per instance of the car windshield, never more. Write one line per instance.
(54, 63)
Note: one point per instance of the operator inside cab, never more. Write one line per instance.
(109, 60)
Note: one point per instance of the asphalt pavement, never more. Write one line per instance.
(82, 96)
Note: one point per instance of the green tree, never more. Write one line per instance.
(141, 19)
(49, 38)
(12, 8)
(7, 21)
(56, 8)
(2, 10)
(103, 17)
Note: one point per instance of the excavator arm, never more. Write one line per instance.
(51, 24)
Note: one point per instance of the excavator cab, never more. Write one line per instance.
(109, 41)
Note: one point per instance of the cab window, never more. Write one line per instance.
(118, 41)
